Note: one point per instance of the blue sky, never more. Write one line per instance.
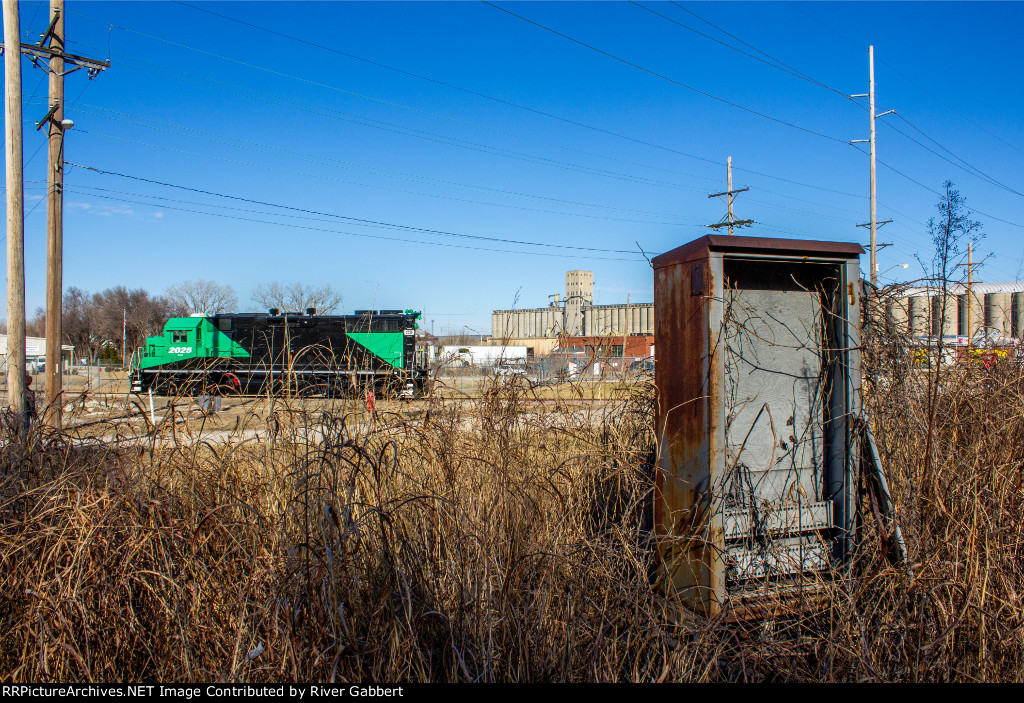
(463, 119)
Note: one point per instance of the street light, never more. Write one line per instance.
(897, 266)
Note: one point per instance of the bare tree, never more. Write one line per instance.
(79, 323)
(36, 327)
(91, 323)
(201, 296)
(141, 314)
(297, 297)
(948, 232)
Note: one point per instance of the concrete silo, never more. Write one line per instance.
(998, 312)
(977, 313)
(944, 321)
(1017, 321)
(898, 314)
(917, 307)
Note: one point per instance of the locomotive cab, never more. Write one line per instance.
(182, 339)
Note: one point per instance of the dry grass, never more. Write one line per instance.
(499, 538)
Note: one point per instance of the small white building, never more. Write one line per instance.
(35, 353)
(471, 355)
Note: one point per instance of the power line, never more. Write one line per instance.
(468, 91)
(664, 77)
(485, 148)
(266, 148)
(447, 85)
(774, 63)
(967, 167)
(787, 69)
(258, 148)
(530, 158)
(312, 158)
(932, 190)
(509, 103)
(949, 107)
(348, 218)
(422, 134)
(378, 100)
(895, 70)
(263, 148)
(322, 177)
(368, 236)
(315, 215)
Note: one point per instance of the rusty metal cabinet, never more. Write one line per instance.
(758, 376)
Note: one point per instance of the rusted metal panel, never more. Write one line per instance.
(699, 248)
(757, 375)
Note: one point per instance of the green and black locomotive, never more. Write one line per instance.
(283, 352)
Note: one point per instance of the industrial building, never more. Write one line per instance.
(575, 315)
(636, 346)
(994, 309)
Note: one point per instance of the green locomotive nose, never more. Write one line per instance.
(189, 338)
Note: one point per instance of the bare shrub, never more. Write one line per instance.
(500, 537)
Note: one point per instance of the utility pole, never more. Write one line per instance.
(15, 217)
(53, 53)
(625, 331)
(874, 187)
(55, 216)
(873, 224)
(970, 293)
(730, 220)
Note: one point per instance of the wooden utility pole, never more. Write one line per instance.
(15, 216)
(730, 220)
(55, 217)
(970, 294)
(54, 118)
(625, 332)
(970, 291)
(732, 196)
